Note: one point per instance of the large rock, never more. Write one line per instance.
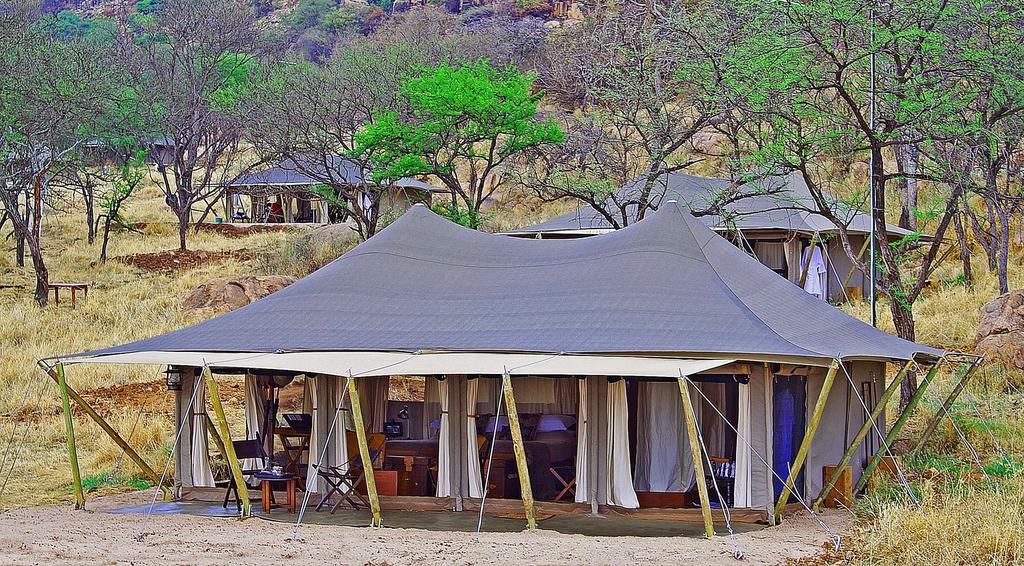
(1001, 332)
(224, 294)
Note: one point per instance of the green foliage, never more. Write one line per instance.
(94, 482)
(237, 72)
(148, 6)
(472, 117)
(310, 13)
(462, 216)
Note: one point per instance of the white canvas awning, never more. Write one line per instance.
(368, 364)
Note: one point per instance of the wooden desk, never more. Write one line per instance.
(84, 287)
(294, 443)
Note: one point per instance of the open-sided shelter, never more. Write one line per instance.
(285, 192)
(774, 226)
(591, 341)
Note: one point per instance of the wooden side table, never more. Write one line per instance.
(267, 490)
(84, 287)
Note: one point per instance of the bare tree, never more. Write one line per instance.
(195, 76)
(53, 94)
(649, 105)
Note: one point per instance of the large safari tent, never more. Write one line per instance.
(658, 366)
(772, 223)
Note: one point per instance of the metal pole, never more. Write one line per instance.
(872, 188)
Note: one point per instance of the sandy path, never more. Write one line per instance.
(59, 535)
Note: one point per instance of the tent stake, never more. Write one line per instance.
(944, 410)
(118, 440)
(229, 448)
(520, 452)
(698, 465)
(805, 445)
(897, 426)
(876, 411)
(69, 425)
(364, 454)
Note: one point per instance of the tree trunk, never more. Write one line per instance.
(106, 236)
(19, 255)
(183, 218)
(906, 156)
(90, 219)
(903, 319)
(1004, 247)
(965, 252)
(42, 292)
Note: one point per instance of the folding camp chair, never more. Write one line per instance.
(245, 450)
(345, 480)
(723, 471)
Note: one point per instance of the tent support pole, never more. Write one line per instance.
(69, 426)
(695, 451)
(519, 451)
(876, 412)
(216, 437)
(364, 454)
(118, 440)
(897, 426)
(944, 410)
(872, 464)
(805, 445)
(853, 270)
(229, 448)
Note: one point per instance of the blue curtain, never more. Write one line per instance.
(789, 416)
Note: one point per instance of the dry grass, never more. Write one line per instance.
(959, 522)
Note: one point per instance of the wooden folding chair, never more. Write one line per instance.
(345, 480)
(245, 450)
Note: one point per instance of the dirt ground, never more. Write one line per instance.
(60, 535)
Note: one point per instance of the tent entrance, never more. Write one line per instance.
(789, 416)
(663, 471)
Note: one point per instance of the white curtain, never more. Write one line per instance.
(533, 395)
(202, 476)
(581, 445)
(443, 456)
(339, 439)
(741, 490)
(476, 482)
(312, 479)
(431, 407)
(771, 254)
(373, 397)
(712, 427)
(793, 264)
(620, 478)
(663, 461)
(253, 419)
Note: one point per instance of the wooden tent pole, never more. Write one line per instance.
(120, 442)
(364, 454)
(896, 428)
(944, 410)
(216, 437)
(69, 426)
(695, 451)
(520, 452)
(858, 439)
(853, 269)
(805, 445)
(229, 447)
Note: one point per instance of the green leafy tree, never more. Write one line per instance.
(462, 124)
(126, 180)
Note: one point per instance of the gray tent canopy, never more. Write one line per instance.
(307, 172)
(777, 208)
(666, 288)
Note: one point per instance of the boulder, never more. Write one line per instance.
(1001, 332)
(224, 294)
